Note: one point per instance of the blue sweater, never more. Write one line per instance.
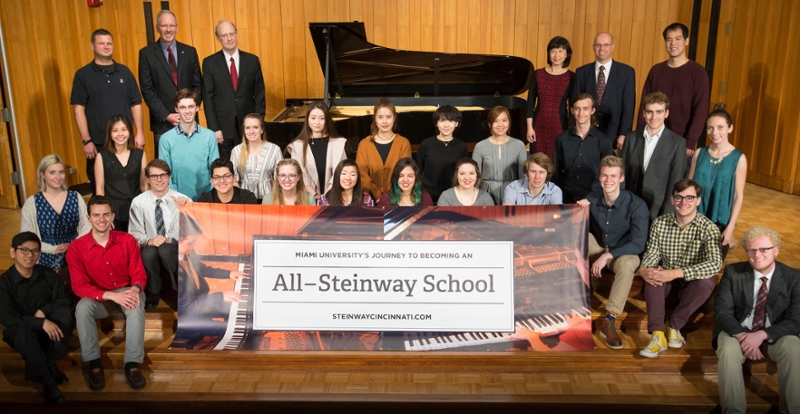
(189, 157)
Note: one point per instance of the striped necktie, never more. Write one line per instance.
(160, 228)
(760, 311)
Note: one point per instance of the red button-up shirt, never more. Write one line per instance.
(95, 269)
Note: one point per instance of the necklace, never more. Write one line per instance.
(314, 139)
(384, 140)
(713, 160)
(446, 143)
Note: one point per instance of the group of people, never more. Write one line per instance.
(659, 208)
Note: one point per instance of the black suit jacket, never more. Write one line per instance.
(197, 302)
(734, 301)
(158, 88)
(615, 114)
(667, 166)
(222, 104)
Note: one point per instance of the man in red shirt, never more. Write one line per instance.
(106, 270)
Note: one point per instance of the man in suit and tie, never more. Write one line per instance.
(233, 86)
(757, 313)
(613, 84)
(685, 82)
(165, 67)
(654, 157)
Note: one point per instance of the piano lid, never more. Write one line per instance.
(359, 68)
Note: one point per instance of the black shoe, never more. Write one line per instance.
(59, 377)
(151, 303)
(52, 395)
(135, 378)
(97, 380)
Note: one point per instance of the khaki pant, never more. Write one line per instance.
(785, 352)
(623, 267)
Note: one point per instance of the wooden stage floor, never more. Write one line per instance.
(680, 381)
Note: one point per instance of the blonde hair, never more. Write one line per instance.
(44, 164)
(245, 152)
(300, 188)
(759, 231)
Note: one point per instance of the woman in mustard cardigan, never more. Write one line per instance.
(379, 152)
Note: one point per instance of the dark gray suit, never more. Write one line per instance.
(615, 114)
(158, 87)
(667, 166)
(225, 108)
(734, 301)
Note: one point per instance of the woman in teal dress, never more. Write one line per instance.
(721, 171)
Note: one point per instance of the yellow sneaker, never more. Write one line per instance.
(657, 345)
(675, 338)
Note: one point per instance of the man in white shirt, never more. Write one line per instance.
(654, 157)
(154, 225)
(757, 313)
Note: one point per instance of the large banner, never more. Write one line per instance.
(255, 277)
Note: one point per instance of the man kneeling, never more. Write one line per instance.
(757, 313)
(106, 270)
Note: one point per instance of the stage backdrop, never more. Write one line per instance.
(405, 278)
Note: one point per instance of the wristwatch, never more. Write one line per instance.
(86, 141)
(137, 286)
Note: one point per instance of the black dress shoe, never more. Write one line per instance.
(135, 378)
(97, 380)
(151, 303)
(52, 395)
(58, 376)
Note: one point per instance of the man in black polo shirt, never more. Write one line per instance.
(618, 233)
(579, 150)
(99, 90)
(36, 313)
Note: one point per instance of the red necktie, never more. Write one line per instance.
(234, 75)
(601, 84)
(172, 66)
(760, 311)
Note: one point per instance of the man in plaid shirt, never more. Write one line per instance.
(683, 254)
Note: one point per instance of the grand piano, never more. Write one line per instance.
(358, 73)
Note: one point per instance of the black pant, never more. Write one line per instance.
(90, 172)
(36, 347)
(156, 258)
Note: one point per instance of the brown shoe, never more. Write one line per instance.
(609, 332)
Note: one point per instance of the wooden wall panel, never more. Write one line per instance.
(277, 31)
(755, 63)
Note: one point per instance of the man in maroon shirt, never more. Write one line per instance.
(685, 82)
(106, 270)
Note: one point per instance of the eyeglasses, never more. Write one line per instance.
(679, 198)
(762, 250)
(25, 251)
(168, 26)
(158, 176)
(284, 177)
(225, 177)
(183, 108)
(604, 45)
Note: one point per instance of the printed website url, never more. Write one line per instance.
(384, 316)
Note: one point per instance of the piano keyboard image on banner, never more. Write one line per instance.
(239, 319)
(546, 325)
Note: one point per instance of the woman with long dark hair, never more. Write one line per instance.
(318, 148)
(346, 188)
(466, 189)
(406, 188)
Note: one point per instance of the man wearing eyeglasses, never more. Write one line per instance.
(613, 84)
(165, 67)
(37, 315)
(757, 314)
(224, 191)
(154, 224)
(233, 86)
(189, 149)
(682, 255)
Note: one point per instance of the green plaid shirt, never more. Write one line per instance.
(693, 249)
